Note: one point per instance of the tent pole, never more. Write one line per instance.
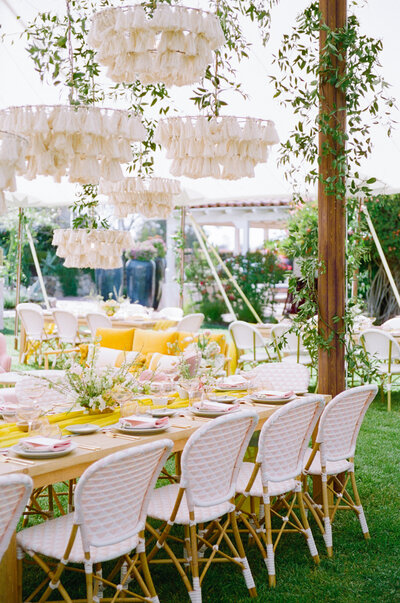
(382, 254)
(229, 274)
(212, 267)
(182, 256)
(37, 266)
(18, 283)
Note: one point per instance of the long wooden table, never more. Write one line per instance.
(52, 471)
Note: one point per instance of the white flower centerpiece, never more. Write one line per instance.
(93, 388)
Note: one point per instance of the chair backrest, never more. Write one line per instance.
(245, 336)
(15, 490)
(285, 436)
(392, 323)
(112, 496)
(96, 320)
(341, 421)
(67, 325)
(380, 344)
(171, 313)
(281, 375)
(291, 343)
(31, 316)
(212, 458)
(191, 322)
(5, 359)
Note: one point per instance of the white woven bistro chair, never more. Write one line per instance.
(15, 490)
(67, 327)
(96, 320)
(289, 346)
(249, 343)
(281, 376)
(111, 501)
(32, 319)
(275, 478)
(332, 457)
(391, 324)
(210, 464)
(191, 323)
(383, 348)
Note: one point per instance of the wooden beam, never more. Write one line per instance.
(331, 221)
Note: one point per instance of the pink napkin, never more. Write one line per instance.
(233, 381)
(273, 394)
(144, 422)
(43, 444)
(215, 406)
(8, 407)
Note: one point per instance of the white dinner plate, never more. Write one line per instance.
(163, 412)
(271, 400)
(211, 414)
(223, 399)
(142, 430)
(231, 388)
(83, 428)
(35, 454)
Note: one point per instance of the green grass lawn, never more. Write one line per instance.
(360, 570)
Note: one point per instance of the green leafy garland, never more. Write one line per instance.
(302, 69)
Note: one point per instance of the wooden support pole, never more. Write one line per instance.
(331, 219)
(18, 283)
(37, 266)
(182, 258)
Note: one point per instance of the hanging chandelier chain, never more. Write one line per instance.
(70, 52)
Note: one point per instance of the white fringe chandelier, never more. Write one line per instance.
(81, 142)
(12, 160)
(151, 197)
(222, 147)
(174, 46)
(83, 248)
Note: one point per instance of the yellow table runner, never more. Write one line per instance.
(10, 434)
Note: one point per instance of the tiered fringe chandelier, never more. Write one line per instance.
(173, 46)
(12, 160)
(91, 248)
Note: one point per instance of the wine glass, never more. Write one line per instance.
(128, 408)
(27, 412)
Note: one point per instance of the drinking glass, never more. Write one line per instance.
(27, 412)
(128, 408)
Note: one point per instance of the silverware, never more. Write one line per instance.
(121, 435)
(87, 447)
(16, 461)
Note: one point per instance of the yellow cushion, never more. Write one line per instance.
(149, 342)
(117, 339)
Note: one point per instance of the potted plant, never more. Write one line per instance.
(145, 270)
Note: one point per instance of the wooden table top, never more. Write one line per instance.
(51, 471)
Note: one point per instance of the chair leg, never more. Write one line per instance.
(306, 525)
(147, 576)
(248, 577)
(195, 594)
(270, 560)
(389, 392)
(89, 584)
(327, 521)
(360, 510)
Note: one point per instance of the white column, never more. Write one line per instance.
(170, 294)
(246, 237)
(236, 246)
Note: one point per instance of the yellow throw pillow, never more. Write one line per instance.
(117, 339)
(149, 342)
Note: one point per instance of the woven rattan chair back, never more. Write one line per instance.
(96, 320)
(67, 326)
(392, 323)
(284, 438)
(191, 323)
(245, 336)
(31, 317)
(15, 491)
(212, 458)
(282, 375)
(380, 344)
(341, 421)
(112, 496)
